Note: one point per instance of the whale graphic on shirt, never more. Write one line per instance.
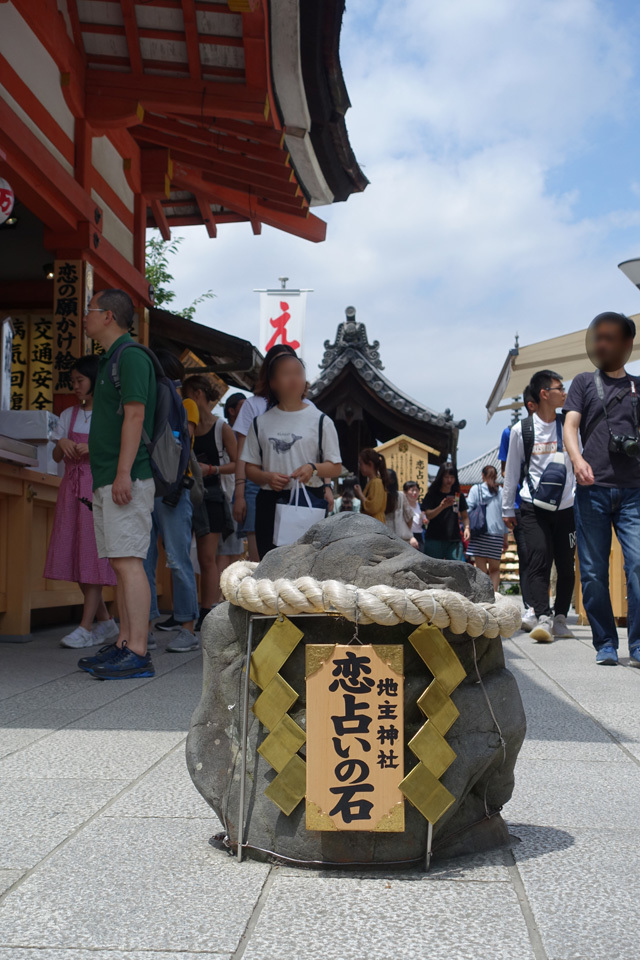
(281, 446)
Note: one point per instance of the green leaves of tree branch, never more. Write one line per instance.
(159, 253)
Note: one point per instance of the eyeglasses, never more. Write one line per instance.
(561, 389)
(96, 309)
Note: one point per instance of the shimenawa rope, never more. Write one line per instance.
(379, 604)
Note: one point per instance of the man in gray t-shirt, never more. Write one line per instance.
(602, 412)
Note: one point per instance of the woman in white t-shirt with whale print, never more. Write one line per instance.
(284, 445)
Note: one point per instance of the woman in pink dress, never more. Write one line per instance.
(72, 553)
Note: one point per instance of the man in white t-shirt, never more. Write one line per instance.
(549, 533)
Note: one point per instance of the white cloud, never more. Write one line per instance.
(460, 112)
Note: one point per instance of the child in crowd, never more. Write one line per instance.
(214, 443)
(399, 512)
(72, 553)
(373, 467)
(285, 444)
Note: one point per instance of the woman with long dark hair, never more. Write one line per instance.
(215, 448)
(374, 499)
(445, 507)
(292, 441)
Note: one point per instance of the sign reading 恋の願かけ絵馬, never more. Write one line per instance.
(355, 737)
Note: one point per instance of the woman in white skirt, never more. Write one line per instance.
(487, 548)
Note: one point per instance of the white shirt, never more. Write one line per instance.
(252, 407)
(289, 439)
(545, 446)
(83, 423)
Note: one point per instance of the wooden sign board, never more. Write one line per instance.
(355, 737)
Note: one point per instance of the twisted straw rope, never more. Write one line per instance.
(379, 604)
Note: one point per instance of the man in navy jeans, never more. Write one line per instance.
(603, 408)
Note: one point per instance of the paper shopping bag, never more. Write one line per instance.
(294, 518)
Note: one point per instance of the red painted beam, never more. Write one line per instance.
(160, 219)
(308, 226)
(205, 141)
(207, 215)
(191, 35)
(59, 199)
(179, 95)
(109, 113)
(131, 31)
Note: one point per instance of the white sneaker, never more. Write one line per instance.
(560, 628)
(529, 620)
(184, 642)
(105, 630)
(79, 638)
(543, 633)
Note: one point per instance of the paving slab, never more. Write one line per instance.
(37, 815)
(8, 878)
(358, 919)
(576, 794)
(584, 896)
(78, 754)
(166, 791)
(143, 884)
(26, 953)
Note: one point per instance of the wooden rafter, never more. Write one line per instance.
(301, 224)
(160, 218)
(191, 34)
(234, 164)
(179, 95)
(131, 31)
(207, 215)
(205, 141)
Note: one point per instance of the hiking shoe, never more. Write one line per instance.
(103, 654)
(151, 642)
(186, 641)
(79, 638)
(543, 633)
(169, 625)
(529, 620)
(124, 665)
(105, 630)
(561, 629)
(634, 656)
(607, 655)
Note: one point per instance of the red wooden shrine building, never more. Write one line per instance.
(119, 115)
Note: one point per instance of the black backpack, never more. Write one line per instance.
(170, 446)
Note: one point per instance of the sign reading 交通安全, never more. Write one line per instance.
(282, 316)
(40, 362)
(355, 737)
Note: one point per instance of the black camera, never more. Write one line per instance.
(173, 499)
(630, 446)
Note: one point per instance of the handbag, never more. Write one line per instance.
(293, 519)
(227, 480)
(478, 517)
(196, 491)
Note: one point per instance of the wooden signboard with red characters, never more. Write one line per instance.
(355, 737)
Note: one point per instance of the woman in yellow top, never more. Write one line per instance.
(373, 466)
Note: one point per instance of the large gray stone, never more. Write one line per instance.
(360, 551)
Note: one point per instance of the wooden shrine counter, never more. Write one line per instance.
(27, 504)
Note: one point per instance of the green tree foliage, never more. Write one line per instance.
(159, 253)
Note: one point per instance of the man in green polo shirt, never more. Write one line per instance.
(123, 487)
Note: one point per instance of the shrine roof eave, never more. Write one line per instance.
(352, 363)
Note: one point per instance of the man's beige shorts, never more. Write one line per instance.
(124, 531)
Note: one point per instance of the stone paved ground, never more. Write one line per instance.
(104, 853)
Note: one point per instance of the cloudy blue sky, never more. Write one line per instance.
(501, 142)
